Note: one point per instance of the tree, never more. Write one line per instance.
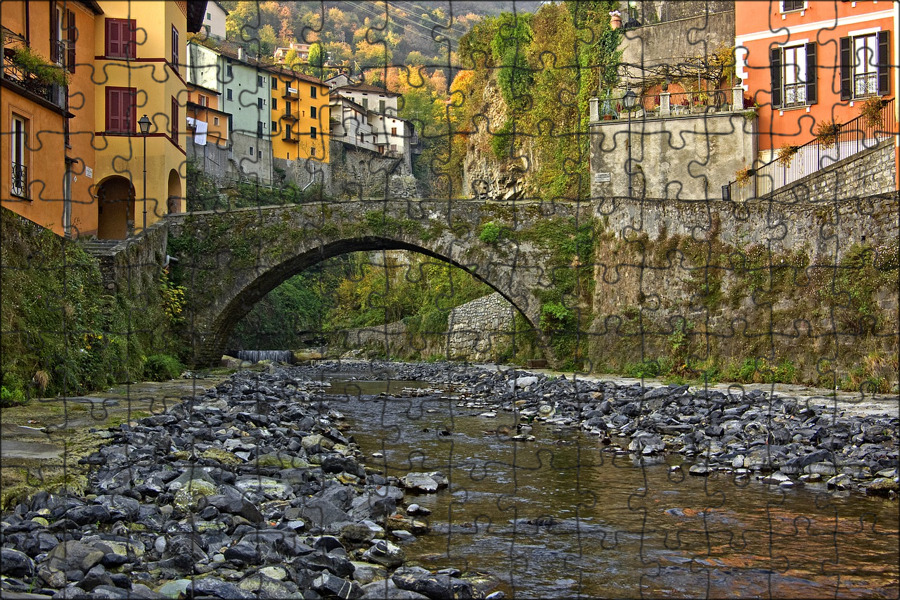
(316, 59)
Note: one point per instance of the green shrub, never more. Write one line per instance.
(162, 367)
(11, 397)
(490, 233)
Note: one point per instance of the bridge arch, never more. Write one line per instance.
(231, 260)
(246, 298)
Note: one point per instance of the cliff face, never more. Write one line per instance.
(484, 176)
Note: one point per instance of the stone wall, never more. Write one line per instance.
(804, 283)
(686, 157)
(480, 330)
(256, 164)
(359, 173)
(477, 331)
(303, 173)
(215, 162)
(870, 172)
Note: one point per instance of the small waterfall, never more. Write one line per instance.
(254, 356)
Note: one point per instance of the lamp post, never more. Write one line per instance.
(630, 100)
(144, 122)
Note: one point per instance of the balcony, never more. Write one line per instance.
(666, 105)
(28, 71)
(292, 117)
(19, 183)
(290, 93)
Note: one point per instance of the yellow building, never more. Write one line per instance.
(76, 158)
(300, 116)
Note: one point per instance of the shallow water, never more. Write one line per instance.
(623, 527)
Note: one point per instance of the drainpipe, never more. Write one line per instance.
(27, 24)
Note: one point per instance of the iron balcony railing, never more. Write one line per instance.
(19, 183)
(12, 72)
(853, 137)
(679, 104)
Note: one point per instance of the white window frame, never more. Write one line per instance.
(793, 10)
(793, 75)
(869, 76)
(18, 155)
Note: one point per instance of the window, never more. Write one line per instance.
(259, 154)
(259, 129)
(791, 5)
(259, 103)
(865, 65)
(289, 156)
(274, 83)
(228, 72)
(287, 109)
(274, 102)
(71, 34)
(260, 81)
(120, 109)
(393, 131)
(793, 73)
(228, 94)
(312, 132)
(19, 140)
(174, 123)
(312, 151)
(175, 48)
(312, 92)
(120, 38)
(381, 106)
(366, 103)
(274, 126)
(215, 120)
(201, 100)
(208, 17)
(251, 151)
(312, 112)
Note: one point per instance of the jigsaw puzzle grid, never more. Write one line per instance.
(317, 481)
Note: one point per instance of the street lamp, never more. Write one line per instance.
(630, 100)
(144, 122)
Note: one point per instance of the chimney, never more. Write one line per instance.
(241, 53)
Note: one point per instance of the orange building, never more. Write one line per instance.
(300, 116)
(75, 76)
(205, 122)
(46, 83)
(805, 63)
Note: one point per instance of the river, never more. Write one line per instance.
(618, 526)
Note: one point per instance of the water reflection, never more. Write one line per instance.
(564, 516)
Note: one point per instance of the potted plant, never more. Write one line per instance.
(786, 154)
(36, 70)
(871, 113)
(827, 132)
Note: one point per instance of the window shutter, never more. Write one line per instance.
(775, 72)
(54, 35)
(175, 120)
(884, 63)
(70, 39)
(812, 91)
(175, 48)
(113, 44)
(113, 110)
(846, 68)
(129, 43)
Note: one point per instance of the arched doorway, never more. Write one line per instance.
(173, 202)
(115, 205)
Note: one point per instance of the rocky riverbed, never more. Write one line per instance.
(256, 488)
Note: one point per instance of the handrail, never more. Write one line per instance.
(852, 137)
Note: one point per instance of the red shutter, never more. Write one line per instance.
(130, 105)
(175, 121)
(113, 109)
(174, 48)
(71, 36)
(129, 44)
(54, 35)
(113, 42)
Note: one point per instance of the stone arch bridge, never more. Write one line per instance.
(230, 260)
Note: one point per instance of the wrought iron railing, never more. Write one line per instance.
(679, 104)
(12, 72)
(19, 182)
(853, 137)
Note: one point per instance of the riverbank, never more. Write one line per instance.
(248, 489)
(256, 488)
